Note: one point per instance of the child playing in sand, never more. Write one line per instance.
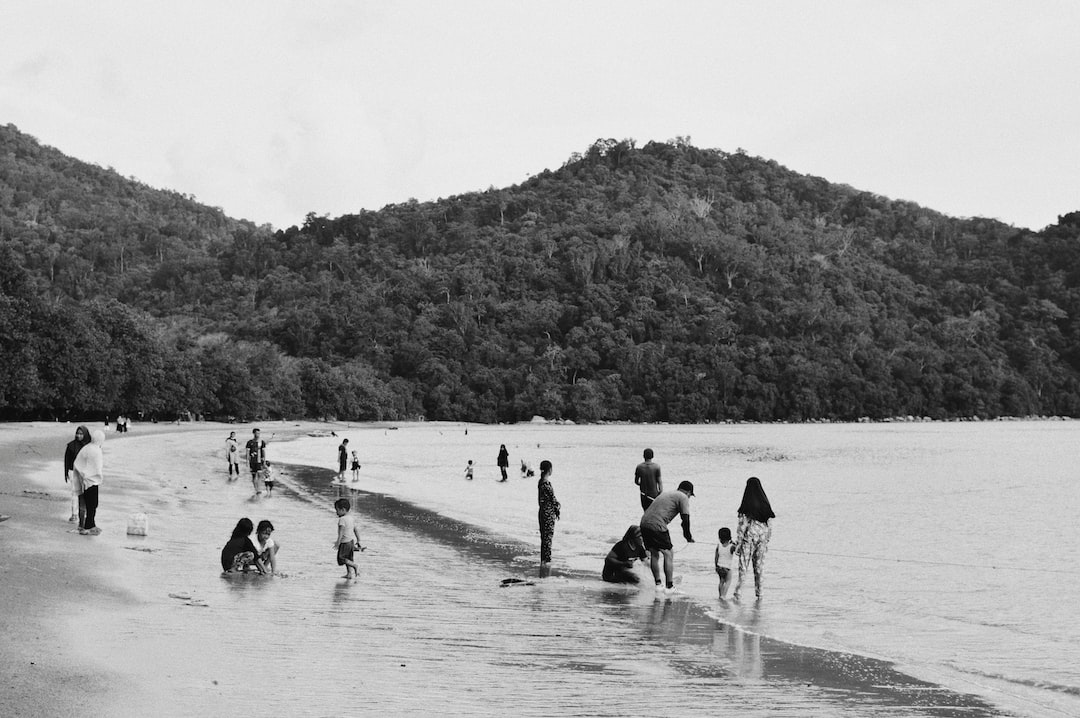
(266, 548)
(468, 471)
(355, 467)
(347, 531)
(722, 559)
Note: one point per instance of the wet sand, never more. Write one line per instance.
(126, 625)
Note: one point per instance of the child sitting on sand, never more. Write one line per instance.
(722, 559)
(347, 531)
(266, 548)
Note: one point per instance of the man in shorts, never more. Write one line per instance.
(256, 453)
(654, 531)
(647, 477)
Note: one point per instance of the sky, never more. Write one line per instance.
(272, 110)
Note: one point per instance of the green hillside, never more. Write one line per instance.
(661, 283)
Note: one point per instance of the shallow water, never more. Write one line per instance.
(915, 569)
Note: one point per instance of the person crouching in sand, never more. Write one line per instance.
(619, 563)
(239, 554)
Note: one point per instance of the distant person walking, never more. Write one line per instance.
(78, 510)
(647, 477)
(503, 461)
(232, 455)
(619, 563)
(256, 453)
(754, 532)
(549, 511)
(654, 531)
(89, 471)
(342, 459)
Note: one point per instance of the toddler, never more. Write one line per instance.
(722, 559)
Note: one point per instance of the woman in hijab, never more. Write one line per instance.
(89, 465)
(752, 540)
(619, 563)
(82, 438)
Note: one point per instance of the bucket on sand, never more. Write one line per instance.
(137, 525)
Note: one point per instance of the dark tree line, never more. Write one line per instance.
(662, 283)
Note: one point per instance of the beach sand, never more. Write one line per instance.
(118, 625)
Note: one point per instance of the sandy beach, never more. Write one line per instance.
(118, 625)
(70, 601)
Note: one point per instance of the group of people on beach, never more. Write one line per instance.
(84, 464)
(262, 471)
(650, 538)
(241, 554)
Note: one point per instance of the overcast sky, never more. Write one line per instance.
(271, 110)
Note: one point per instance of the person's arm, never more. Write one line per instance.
(356, 533)
(637, 476)
(659, 482)
(740, 533)
(716, 558)
(686, 528)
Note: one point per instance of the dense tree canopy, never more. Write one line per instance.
(662, 283)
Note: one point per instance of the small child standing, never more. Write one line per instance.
(722, 559)
(468, 471)
(355, 467)
(268, 479)
(347, 531)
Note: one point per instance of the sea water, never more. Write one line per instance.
(914, 569)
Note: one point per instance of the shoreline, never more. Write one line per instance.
(90, 623)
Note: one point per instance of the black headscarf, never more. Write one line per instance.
(755, 504)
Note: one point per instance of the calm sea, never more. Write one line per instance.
(915, 569)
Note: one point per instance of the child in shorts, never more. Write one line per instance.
(355, 467)
(268, 478)
(347, 531)
(468, 471)
(722, 559)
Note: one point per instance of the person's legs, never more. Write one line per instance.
(645, 501)
(744, 568)
(90, 499)
(669, 567)
(758, 558)
(654, 565)
(547, 532)
(74, 504)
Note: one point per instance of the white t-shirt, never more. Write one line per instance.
(723, 556)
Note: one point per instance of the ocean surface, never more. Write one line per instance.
(921, 569)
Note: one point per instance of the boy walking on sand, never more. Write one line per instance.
(347, 531)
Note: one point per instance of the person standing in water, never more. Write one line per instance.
(754, 532)
(549, 511)
(647, 477)
(342, 459)
(654, 531)
(503, 461)
(78, 509)
(256, 453)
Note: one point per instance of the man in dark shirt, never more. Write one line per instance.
(647, 477)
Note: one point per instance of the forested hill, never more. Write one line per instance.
(661, 283)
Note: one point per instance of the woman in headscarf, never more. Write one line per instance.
(548, 513)
(503, 461)
(89, 468)
(240, 554)
(619, 563)
(82, 438)
(752, 540)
